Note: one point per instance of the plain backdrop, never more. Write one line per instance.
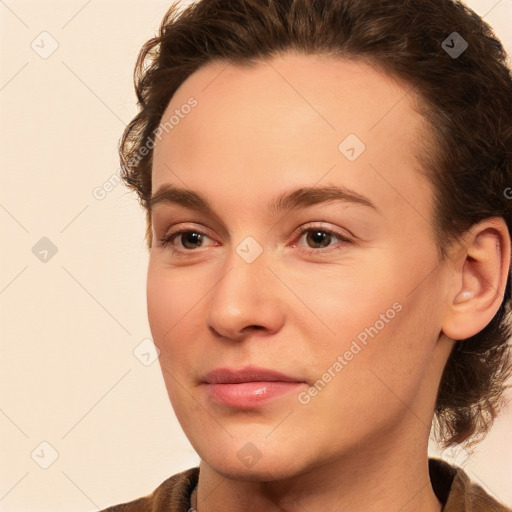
(84, 423)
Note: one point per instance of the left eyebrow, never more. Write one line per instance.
(309, 196)
(293, 200)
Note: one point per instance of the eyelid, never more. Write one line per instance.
(326, 226)
(171, 216)
(184, 226)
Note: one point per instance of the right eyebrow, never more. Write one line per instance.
(168, 194)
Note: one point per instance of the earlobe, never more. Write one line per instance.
(481, 276)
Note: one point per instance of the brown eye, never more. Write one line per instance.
(318, 238)
(191, 239)
(185, 241)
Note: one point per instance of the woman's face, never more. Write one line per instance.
(340, 290)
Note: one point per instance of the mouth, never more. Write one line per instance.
(249, 387)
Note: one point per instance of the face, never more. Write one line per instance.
(338, 289)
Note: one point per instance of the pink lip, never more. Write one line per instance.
(249, 387)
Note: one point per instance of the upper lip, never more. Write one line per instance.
(247, 374)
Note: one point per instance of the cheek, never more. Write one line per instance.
(170, 303)
(386, 358)
(367, 314)
(161, 302)
(344, 300)
(170, 310)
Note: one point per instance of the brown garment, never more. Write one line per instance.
(451, 485)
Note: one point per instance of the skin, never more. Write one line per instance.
(256, 133)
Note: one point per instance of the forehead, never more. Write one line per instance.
(286, 120)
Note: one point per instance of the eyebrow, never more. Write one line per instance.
(293, 200)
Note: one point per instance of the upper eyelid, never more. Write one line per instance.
(342, 237)
(173, 232)
(342, 233)
(306, 226)
(165, 211)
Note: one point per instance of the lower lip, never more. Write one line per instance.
(250, 394)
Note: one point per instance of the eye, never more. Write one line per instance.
(189, 239)
(319, 238)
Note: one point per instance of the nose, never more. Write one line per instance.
(246, 298)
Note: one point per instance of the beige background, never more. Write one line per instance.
(70, 325)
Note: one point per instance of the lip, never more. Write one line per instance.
(249, 387)
(247, 374)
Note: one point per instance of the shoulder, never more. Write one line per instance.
(458, 492)
(172, 495)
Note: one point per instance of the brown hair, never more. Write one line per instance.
(467, 105)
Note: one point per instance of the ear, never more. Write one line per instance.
(480, 275)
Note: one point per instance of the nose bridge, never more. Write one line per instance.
(244, 267)
(245, 294)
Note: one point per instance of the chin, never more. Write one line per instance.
(261, 471)
(257, 460)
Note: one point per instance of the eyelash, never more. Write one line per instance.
(167, 239)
